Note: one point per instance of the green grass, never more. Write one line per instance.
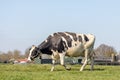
(42, 72)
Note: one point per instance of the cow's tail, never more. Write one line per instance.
(91, 41)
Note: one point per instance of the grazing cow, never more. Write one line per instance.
(62, 44)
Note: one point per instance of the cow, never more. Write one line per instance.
(61, 44)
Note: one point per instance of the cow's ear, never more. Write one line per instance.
(33, 46)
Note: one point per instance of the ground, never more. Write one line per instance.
(42, 72)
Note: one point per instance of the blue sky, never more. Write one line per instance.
(27, 22)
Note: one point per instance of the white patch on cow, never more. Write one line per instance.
(62, 57)
(83, 40)
(71, 38)
(64, 41)
(46, 40)
(69, 35)
(73, 41)
(33, 47)
(52, 35)
(91, 41)
(75, 51)
(55, 55)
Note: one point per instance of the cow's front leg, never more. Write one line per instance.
(53, 65)
(62, 61)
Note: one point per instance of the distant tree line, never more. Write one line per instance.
(12, 55)
(103, 51)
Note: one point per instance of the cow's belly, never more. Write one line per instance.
(75, 51)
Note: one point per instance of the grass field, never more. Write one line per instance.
(42, 72)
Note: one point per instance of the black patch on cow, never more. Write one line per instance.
(44, 48)
(68, 39)
(73, 35)
(65, 46)
(53, 43)
(57, 43)
(79, 38)
(86, 38)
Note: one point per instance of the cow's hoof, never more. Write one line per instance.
(68, 68)
(81, 69)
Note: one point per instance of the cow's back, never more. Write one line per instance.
(71, 43)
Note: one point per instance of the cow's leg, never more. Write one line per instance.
(92, 60)
(86, 60)
(62, 61)
(92, 63)
(53, 65)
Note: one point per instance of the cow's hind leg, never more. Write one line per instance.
(86, 60)
(92, 63)
(62, 61)
(92, 60)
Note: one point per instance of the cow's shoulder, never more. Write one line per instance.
(44, 47)
(53, 42)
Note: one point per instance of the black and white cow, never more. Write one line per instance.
(62, 44)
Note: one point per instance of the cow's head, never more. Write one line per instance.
(33, 53)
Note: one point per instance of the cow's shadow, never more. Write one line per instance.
(96, 69)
